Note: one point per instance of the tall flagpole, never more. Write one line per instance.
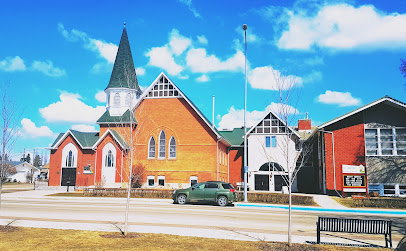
(244, 27)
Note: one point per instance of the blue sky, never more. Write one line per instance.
(58, 56)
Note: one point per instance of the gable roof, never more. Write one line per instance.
(123, 74)
(127, 117)
(194, 107)
(26, 163)
(386, 100)
(270, 112)
(85, 139)
(235, 137)
(116, 136)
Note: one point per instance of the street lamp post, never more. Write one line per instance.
(244, 27)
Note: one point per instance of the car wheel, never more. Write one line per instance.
(182, 199)
(222, 201)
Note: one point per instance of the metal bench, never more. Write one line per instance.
(361, 226)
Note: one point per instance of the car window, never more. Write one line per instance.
(198, 186)
(227, 186)
(211, 185)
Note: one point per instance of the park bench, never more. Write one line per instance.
(361, 226)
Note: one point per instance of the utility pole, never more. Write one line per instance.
(244, 27)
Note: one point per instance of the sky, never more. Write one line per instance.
(56, 57)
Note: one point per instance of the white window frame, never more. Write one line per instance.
(149, 148)
(151, 177)
(65, 153)
(128, 100)
(379, 142)
(193, 178)
(161, 177)
(115, 99)
(109, 147)
(89, 170)
(161, 144)
(169, 147)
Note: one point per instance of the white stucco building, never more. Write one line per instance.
(25, 173)
(271, 150)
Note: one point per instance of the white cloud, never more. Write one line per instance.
(140, 71)
(101, 96)
(30, 130)
(101, 67)
(189, 4)
(12, 64)
(84, 128)
(178, 43)
(200, 62)
(267, 78)
(342, 26)
(203, 78)
(162, 57)
(104, 49)
(202, 39)
(338, 98)
(48, 68)
(235, 118)
(314, 76)
(71, 109)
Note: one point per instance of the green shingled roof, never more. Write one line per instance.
(120, 139)
(85, 139)
(125, 118)
(235, 137)
(123, 75)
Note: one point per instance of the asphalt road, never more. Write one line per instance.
(161, 216)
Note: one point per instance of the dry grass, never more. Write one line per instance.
(54, 239)
(381, 202)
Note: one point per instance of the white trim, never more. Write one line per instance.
(362, 190)
(143, 96)
(169, 148)
(161, 177)
(65, 152)
(65, 136)
(159, 144)
(106, 149)
(271, 112)
(360, 109)
(103, 136)
(149, 145)
(193, 178)
(150, 177)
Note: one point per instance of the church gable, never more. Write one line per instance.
(271, 124)
(163, 87)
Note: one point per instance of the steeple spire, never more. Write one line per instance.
(123, 74)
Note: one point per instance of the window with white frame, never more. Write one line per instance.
(128, 100)
(109, 155)
(270, 124)
(87, 169)
(151, 148)
(162, 145)
(69, 156)
(109, 162)
(163, 88)
(193, 180)
(151, 180)
(172, 148)
(117, 99)
(384, 141)
(161, 180)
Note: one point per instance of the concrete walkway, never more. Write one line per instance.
(325, 201)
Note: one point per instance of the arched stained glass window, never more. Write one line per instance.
(109, 159)
(172, 148)
(70, 159)
(162, 145)
(151, 148)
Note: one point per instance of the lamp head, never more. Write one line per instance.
(244, 27)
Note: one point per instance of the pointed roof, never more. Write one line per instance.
(385, 100)
(116, 136)
(85, 139)
(126, 118)
(123, 74)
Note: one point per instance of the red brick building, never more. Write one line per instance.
(160, 129)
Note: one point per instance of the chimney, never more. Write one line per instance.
(304, 125)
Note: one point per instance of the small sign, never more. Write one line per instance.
(246, 169)
(354, 180)
(353, 169)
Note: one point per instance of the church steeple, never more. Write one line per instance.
(123, 74)
(123, 89)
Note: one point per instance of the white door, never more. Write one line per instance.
(109, 164)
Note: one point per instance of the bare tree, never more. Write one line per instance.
(294, 151)
(9, 118)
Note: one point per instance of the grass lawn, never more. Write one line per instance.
(381, 202)
(17, 238)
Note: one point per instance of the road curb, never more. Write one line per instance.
(333, 210)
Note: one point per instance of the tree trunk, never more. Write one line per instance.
(290, 214)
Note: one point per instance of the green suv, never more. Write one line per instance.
(218, 192)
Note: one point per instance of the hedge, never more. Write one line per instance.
(278, 198)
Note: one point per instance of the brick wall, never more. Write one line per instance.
(236, 165)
